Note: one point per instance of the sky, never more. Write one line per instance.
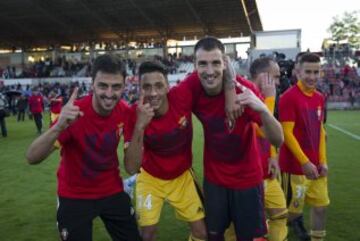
(313, 17)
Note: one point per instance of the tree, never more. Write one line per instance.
(346, 28)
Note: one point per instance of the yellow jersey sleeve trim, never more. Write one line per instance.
(292, 143)
(322, 146)
(273, 152)
(270, 103)
(259, 131)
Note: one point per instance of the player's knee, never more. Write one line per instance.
(199, 233)
(148, 233)
(148, 236)
(319, 211)
(198, 230)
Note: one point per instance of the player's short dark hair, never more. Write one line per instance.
(298, 56)
(309, 58)
(152, 66)
(209, 43)
(109, 64)
(260, 65)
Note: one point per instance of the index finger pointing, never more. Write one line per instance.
(141, 97)
(73, 95)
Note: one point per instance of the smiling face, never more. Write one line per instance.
(155, 88)
(309, 73)
(107, 91)
(210, 67)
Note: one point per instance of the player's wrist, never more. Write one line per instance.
(229, 83)
(304, 162)
(57, 128)
(139, 126)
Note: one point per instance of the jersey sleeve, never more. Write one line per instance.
(185, 93)
(292, 143)
(129, 125)
(270, 103)
(273, 152)
(286, 109)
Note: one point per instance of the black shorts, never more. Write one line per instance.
(75, 218)
(245, 208)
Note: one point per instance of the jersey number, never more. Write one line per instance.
(147, 203)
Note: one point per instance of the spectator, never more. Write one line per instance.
(3, 105)
(36, 104)
(21, 107)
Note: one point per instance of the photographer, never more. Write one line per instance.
(286, 71)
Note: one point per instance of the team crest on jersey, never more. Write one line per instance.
(319, 113)
(183, 122)
(64, 234)
(120, 129)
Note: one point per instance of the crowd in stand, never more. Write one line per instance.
(63, 67)
(47, 68)
(340, 83)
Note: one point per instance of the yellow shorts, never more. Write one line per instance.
(273, 193)
(181, 193)
(303, 190)
(53, 117)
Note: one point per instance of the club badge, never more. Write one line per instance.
(319, 113)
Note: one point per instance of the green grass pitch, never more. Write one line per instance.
(28, 193)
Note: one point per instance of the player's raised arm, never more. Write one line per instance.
(271, 127)
(232, 109)
(44, 144)
(133, 151)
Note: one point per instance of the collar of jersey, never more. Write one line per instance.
(304, 90)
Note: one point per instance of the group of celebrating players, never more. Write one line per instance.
(245, 150)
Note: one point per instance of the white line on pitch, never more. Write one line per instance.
(356, 137)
